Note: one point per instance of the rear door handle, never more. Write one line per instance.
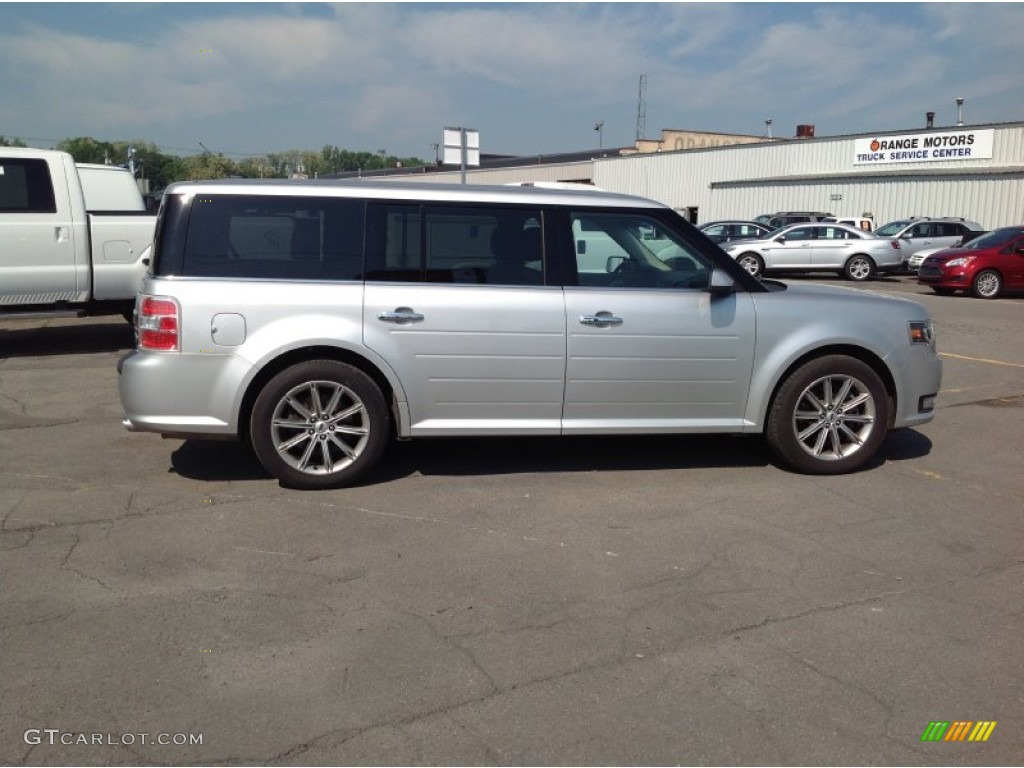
(400, 316)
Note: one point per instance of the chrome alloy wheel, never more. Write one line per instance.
(320, 427)
(751, 263)
(859, 268)
(834, 417)
(987, 284)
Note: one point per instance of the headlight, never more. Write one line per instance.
(961, 261)
(922, 332)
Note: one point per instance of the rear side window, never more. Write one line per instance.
(25, 186)
(436, 243)
(263, 236)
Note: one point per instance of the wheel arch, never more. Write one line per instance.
(865, 356)
(317, 352)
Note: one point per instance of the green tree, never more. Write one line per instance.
(209, 166)
(5, 142)
(86, 149)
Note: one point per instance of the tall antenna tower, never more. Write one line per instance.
(641, 109)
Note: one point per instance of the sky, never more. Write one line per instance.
(246, 79)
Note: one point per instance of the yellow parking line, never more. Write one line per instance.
(981, 360)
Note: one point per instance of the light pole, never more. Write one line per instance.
(599, 127)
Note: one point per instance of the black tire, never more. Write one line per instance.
(859, 268)
(752, 263)
(987, 284)
(319, 424)
(829, 417)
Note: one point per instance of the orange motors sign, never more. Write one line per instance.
(928, 147)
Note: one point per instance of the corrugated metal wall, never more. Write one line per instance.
(746, 180)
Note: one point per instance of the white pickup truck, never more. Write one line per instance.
(74, 239)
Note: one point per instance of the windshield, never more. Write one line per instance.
(993, 239)
(891, 229)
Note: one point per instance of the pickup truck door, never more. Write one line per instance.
(39, 263)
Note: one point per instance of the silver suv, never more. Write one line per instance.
(319, 320)
(917, 233)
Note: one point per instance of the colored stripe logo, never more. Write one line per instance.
(958, 730)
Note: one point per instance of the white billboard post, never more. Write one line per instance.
(461, 147)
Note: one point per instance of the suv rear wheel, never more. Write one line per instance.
(319, 424)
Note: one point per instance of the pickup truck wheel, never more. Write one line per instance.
(319, 424)
(752, 263)
(829, 417)
(859, 268)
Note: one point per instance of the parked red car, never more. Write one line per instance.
(985, 267)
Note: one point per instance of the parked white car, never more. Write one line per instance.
(818, 247)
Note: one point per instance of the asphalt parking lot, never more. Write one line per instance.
(635, 601)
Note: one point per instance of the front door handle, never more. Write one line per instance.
(601, 318)
(400, 316)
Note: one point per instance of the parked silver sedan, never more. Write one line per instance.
(851, 252)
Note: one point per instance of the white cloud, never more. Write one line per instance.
(533, 76)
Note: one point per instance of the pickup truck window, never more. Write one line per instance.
(25, 186)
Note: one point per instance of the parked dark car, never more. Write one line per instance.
(985, 267)
(724, 231)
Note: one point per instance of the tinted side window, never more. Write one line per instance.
(281, 238)
(25, 186)
(949, 230)
(436, 243)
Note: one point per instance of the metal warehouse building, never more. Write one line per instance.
(976, 172)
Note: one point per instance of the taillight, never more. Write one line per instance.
(158, 324)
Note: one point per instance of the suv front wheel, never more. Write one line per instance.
(829, 417)
(319, 424)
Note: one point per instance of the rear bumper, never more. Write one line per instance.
(181, 395)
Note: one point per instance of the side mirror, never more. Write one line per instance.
(613, 263)
(780, 239)
(721, 283)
